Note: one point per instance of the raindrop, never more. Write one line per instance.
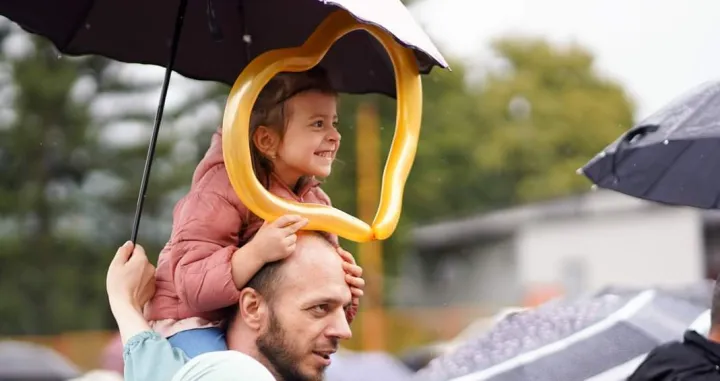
(594, 187)
(87, 26)
(59, 55)
(602, 154)
(247, 38)
(666, 142)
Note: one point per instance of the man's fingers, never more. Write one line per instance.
(123, 253)
(138, 254)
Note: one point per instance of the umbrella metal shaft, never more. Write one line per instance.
(158, 119)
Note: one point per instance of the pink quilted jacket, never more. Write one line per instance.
(194, 277)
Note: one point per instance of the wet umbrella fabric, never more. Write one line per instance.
(672, 157)
(25, 361)
(220, 37)
(569, 340)
(216, 39)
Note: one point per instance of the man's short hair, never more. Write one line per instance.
(267, 280)
(269, 277)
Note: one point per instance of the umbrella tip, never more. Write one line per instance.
(579, 171)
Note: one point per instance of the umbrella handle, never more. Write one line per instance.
(625, 143)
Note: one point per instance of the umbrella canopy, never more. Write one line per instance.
(569, 340)
(216, 39)
(26, 361)
(220, 37)
(672, 157)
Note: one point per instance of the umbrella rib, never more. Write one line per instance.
(77, 26)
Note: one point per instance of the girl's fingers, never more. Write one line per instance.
(353, 281)
(356, 292)
(353, 270)
(346, 256)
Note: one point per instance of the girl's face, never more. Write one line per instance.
(310, 141)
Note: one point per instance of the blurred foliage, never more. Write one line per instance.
(68, 193)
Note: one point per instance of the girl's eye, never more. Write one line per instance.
(318, 123)
(335, 124)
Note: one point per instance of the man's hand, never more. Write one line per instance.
(130, 278)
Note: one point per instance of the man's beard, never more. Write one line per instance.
(278, 351)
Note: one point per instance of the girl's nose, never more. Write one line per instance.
(334, 135)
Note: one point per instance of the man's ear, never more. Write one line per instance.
(252, 308)
(266, 140)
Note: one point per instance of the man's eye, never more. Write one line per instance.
(321, 309)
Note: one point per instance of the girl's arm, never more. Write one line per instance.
(204, 240)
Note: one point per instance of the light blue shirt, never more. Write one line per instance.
(150, 357)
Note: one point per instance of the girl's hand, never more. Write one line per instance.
(276, 240)
(353, 275)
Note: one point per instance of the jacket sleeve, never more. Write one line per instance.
(205, 236)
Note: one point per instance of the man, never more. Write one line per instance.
(290, 317)
(695, 358)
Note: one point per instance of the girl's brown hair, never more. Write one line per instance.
(270, 111)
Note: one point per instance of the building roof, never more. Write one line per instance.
(505, 222)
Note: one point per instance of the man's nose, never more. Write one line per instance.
(340, 328)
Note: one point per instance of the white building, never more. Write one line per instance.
(578, 244)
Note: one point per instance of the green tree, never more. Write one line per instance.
(67, 193)
(518, 135)
(545, 116)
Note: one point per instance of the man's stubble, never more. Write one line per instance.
(281, 354)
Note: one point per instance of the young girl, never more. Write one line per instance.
(217, 244)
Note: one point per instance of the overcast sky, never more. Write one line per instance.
(657, 49)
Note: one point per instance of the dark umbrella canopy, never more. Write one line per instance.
(218, 35)
(672, 157)
(216, 39)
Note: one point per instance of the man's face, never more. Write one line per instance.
(306, 318)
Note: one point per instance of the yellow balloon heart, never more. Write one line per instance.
(236, 121)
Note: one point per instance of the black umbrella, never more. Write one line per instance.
(672, 157)
(216, 39)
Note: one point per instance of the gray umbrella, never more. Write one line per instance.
(26, 361)
(672, 157)
(367, 366)
(568, 340)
